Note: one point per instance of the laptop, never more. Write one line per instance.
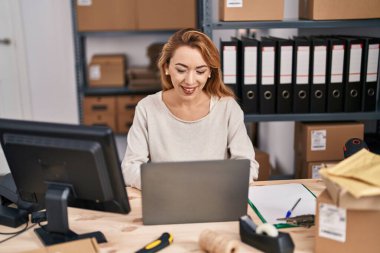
(196, 191)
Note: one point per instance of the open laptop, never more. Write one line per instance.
(196, 191)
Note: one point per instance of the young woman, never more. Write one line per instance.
(194, 117)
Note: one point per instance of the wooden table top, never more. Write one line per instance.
(126, 233)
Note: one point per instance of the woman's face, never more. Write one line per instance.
(188, 72)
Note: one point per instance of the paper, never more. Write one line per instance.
(359, 174)
(273, 201)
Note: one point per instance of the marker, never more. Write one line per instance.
(289, 213)
(163, 241)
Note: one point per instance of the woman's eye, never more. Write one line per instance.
(201, 72)
(181, 71)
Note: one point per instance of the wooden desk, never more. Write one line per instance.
(126, 233)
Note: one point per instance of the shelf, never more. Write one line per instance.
(344, 116)
(123, 33)
(116, 91)
(296, 24)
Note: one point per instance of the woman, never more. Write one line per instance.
(194, 117)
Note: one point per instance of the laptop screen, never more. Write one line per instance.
(196, 191)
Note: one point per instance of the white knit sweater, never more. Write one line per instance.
(157, 135)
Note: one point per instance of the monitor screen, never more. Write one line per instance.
(50, 162)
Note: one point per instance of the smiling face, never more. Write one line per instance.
(188, 72)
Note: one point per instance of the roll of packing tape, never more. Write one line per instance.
(213, 242)
(267, 229)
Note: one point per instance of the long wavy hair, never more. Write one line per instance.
(198, 40)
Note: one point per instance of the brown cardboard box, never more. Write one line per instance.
(312, 168)
(110, 15)
(166, 14)
(107, 71)
(84, 245)
(361, 228)
(251, 10)
(99, 105)
(126, 111)
(325, 141)
(265, 169)
(343, 198)
(339, 9)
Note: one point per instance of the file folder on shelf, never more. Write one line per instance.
(335, 71)
(301, 89)
(267, 88)
(229, 51)
(318, 67)
(283, 73)
(353, 77)
(249, 91)
(370, 72)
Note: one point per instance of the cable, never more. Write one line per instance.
(17, 233)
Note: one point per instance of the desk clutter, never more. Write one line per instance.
(315, 74)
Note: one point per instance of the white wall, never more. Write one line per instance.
(50, 60)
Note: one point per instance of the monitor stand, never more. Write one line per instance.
(57, 229)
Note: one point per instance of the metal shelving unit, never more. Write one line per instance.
(206, 22)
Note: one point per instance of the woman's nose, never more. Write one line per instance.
(190, 78)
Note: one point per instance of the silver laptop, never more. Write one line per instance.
(198, 191)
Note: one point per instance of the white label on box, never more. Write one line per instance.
(234, 3)
(315, 170)
(319, 74)
(318, 140)
(95, 73)
(355, 63)
(229, 64)
(250, 65)
(332, 222)
(267, 67)
(337, 64)
(84, 2)
(373, 61)
(303, 54)
(286, 64)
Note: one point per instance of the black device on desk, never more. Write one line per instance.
(59, 165)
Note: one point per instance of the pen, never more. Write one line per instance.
(164, 240)
(289, 213)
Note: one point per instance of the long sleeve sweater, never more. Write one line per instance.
(156, 135)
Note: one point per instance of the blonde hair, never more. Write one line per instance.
(198, 40)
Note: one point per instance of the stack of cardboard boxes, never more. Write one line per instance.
(318, 145)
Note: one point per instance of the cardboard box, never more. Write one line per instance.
(265, 169)
(99, 105)
(343, 198)
(102, 15)
(312, 168)
(251, 10)
(107, 71)
(339, 9)
(166, 14)
(325, 141)
(84, 245)
(126, 111)
(345, 230)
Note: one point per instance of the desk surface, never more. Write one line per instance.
(126, 233)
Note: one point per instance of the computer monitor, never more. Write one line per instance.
(59, 165)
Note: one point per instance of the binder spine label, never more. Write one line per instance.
(319, 73)
(250, 65)
(355, 63)
(337, 64)
(373, 62)
(267, 73)
(229, 64)
(303, 54)
(286, 64)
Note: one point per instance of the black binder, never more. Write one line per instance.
(335, 71)
(317, 78)
(229, 53)
(370, 72)
(301, 89)
(249, 59)
(267, 88)
(283, 73)
(353, 77)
